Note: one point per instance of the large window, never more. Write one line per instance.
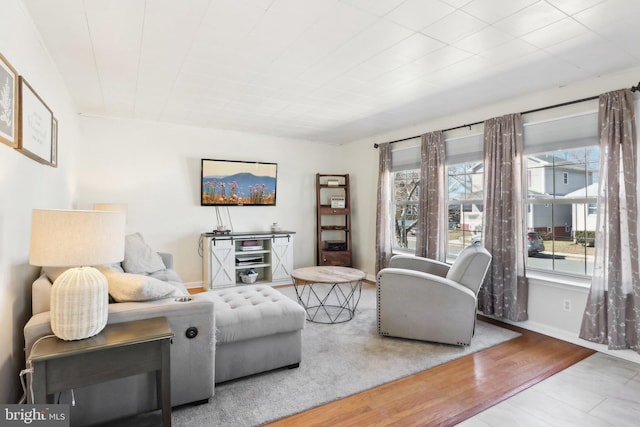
(465, 205)
(559, 204)
(560, 209)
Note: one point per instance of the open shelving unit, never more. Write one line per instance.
(333, 220)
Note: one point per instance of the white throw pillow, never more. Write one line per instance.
(140, 257)
(125, 287)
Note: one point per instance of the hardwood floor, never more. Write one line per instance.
(450, 393)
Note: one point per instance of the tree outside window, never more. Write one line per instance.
(406, 191)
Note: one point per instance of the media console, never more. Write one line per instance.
(226, 256)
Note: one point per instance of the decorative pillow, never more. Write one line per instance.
(124, 287)
(140, 257)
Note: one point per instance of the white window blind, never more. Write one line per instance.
(405, 158)
(563, 133)
(463, 149)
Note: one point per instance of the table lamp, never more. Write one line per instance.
(77, 239)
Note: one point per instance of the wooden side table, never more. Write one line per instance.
(120, 350)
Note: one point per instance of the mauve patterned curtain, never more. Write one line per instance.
(431, 204)
(384, 238)
(612, 314)
(505, 289)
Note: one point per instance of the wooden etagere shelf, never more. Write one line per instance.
(333, 220)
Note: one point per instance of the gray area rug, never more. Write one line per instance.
(338, 360)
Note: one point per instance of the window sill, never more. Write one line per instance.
(403, 251)
(559, 279)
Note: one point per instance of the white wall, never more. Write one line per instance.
(155, 169)
(546, 298)
(26, 184)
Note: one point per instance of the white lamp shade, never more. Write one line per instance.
(71, 238)
(111, 207)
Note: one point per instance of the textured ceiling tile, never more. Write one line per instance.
(377, 7)
(454, 27)
(485, 39)
(418, 14)
(558, 32)
(571, 7)
(491, 11)
(532, 18)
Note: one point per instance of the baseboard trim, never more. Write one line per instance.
(572, 338)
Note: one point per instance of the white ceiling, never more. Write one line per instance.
(325, 70)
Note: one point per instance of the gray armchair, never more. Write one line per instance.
(423, 299)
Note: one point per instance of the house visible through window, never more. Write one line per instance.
(563, 216)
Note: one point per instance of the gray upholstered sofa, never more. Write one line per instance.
(241, 331)
(192, 359)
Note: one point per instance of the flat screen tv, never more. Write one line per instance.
(238, 183)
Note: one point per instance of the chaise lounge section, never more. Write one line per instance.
(259, 329)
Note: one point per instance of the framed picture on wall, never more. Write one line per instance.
(36, 125)
(8, 103)
(54, 142)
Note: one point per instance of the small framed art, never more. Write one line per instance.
(8, 103)
(54, 142)
(36, 126)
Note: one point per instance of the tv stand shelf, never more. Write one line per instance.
(225, 256)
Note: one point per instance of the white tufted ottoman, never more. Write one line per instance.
(258, 329)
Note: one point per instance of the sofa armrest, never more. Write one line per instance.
(425, 265)
(197, 312)
(40, 295)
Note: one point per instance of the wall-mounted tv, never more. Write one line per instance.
(238, 183)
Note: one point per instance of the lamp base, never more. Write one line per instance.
(79, 303)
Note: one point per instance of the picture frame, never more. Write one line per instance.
(54, 142)
(35, 125)
(8, 103)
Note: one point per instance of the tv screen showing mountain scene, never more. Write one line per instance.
(238, 183)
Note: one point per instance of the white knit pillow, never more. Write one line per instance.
(125, 287)
(140, 257)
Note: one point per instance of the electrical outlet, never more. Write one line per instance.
(566, 305)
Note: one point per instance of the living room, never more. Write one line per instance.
(154, 167)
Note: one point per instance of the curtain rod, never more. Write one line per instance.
(535, 110)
